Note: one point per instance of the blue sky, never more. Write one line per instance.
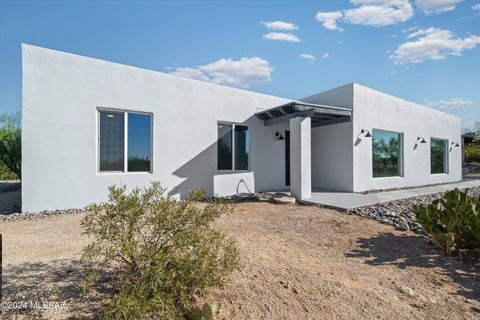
(426, 51)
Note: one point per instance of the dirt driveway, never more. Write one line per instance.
(300, 262)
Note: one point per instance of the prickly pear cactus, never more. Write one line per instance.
(453, 222)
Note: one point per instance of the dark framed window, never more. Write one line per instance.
(241, 147)
(438, 156)
(233, 147)
(125, 136)
(139, 142)
(112, 142)
(386, 153)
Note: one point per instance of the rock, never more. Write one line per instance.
(402, 224)
(407, 291)
(279, 198)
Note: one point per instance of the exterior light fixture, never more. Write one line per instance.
(279, 136)
(421, 140)
(455, 144)
(366, 133)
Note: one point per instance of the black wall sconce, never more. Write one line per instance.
(279, 136)
(455, 144)
(366, 133)
(421, 140)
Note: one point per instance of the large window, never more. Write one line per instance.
(125, 135)
(233, 147)
(438, 156)
(386, 153)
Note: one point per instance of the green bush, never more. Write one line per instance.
(11, 144)
(453, 222)
(472, 153)
(6, 174)
(162, 253)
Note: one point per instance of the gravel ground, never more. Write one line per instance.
(399, 213)
(300, 262)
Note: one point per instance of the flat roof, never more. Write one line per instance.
(321, 115)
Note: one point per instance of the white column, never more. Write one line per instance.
(301, 158)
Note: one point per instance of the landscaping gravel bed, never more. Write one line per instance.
(37, 215)
(399, 213)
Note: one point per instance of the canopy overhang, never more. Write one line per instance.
(321, 115)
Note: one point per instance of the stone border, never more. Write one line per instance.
(399, 213)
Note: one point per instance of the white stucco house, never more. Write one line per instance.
(88, 124)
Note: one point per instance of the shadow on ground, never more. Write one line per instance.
(55, 282)
(10, 197)
(413, 251)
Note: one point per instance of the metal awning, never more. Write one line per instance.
(321, 115)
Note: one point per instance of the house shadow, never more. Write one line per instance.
(56, 282)
(199, 171)
(405, 251)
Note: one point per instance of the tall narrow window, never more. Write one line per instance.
(233, 147)
(438, 156)
(112, 149)
(125, 145)
(224, 147)
(139, 142)
(241, 147)
(386, 153)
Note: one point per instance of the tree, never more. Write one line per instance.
(10, 143)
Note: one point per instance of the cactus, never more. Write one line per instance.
(453, 222)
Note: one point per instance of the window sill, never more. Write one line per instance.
(122, 172)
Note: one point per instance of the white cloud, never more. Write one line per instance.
(379, 12)
(281, 36)
(369, 12)
(410, 29)
(436, 6)
(308, 57)
(476, 8)
(327, 56)
(432, 44)
(237, 73)
(329, 19)
(280, 25)
(452, 104)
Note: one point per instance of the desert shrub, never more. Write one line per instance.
(453, 222)
(6, 174)
(472, 153)
(162, 253)
(11, 145)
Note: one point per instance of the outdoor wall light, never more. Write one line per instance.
(279, 136)
(366, 132)
(455, 144)
(421, 140)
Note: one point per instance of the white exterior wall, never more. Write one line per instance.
(376, 110)
(61, 93)
(332, 152)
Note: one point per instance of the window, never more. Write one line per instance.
(233, 147)
(241, 147)
(139, 142)
(438, 156)
(125, 135)
(112, 141)
(386, 153)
